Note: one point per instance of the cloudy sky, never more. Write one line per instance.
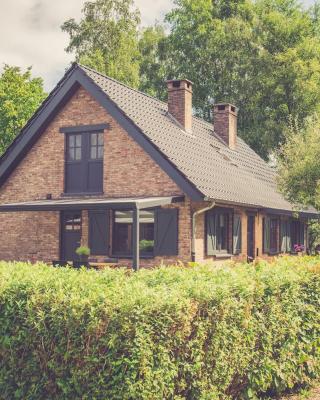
(30, 32)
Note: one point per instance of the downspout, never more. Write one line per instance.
(194, 229)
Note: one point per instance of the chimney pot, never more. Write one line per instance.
(225, 123)
(180, 101)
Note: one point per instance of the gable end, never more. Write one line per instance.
(73, 79)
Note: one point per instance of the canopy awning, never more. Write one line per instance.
(90, 203)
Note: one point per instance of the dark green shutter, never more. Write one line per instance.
(166, 232)
(302, 228)
(99, 232)
(266, 235)
(236, 234)
(211, 222)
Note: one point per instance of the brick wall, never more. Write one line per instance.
(180, 102)
(128, 171)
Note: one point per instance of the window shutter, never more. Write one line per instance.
(236, 234)
(211, 221)
(302, 226)
(99, 232)
(266, 235)
(166, 232)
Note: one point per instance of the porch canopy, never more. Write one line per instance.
(98, 203)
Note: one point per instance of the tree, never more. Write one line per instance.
(154, 58)
(106, 38)
(263, 56)
(20, 96)
(299, 164)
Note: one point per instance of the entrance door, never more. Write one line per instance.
(70, 234)
(250, 235)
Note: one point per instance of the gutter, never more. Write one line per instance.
(194, 216)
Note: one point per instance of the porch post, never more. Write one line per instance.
(136, 239)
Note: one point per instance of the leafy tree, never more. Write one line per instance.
(20, 96)
(262, 55)
(106, 38)
(299, 164)
(154, 58)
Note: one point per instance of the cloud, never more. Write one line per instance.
(31, 35)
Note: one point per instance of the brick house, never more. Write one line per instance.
(138, 180)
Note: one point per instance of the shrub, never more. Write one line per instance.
(171, 333)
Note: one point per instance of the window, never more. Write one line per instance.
(237, 232)
(285, 236)
(274, 224)
(74, 148)
(84, 162)
(123, 237)
(73, 222)
(271, 235)
(96, 146)
(217, 232)
(297, 233)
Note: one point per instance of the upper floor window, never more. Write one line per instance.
(96, 146)
(74, 147)
(84, 162)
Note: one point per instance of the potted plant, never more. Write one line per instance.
(298, 248)
(83, 253)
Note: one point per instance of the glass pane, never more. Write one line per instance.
(71, 141)
(78, 140)
(100, 152)
(100, 139)
(123, 217)
(93, 139)
(122, 234)
(73, 223)
(72, 154)
(93, 153)
(77, 153)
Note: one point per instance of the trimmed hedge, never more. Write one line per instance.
(178, 333)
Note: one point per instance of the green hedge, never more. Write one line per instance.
(197, 333)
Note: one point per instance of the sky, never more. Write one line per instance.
(31, 36)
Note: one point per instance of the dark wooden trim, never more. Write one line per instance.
(136, 240)
(84, 128)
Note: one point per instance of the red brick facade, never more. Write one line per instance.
(128, 172)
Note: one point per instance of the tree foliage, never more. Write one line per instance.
(106, 38)
(299, 164)
(262, 55)
(20, 96)
(154, 58)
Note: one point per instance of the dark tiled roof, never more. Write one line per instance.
(220, 173)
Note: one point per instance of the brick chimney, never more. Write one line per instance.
(225, 117)
(180, 102)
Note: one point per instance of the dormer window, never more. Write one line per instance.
(84, 160)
